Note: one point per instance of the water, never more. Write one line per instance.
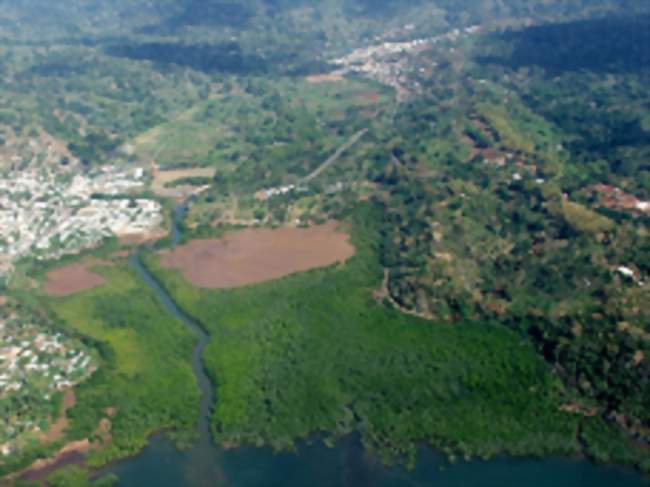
(347, 465)
(315, 465)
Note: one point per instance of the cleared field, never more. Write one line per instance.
(370, 96)
(323, 78)
(72, 279)
(189, 138)
(257, 255)
(163, 178)
(57, 429)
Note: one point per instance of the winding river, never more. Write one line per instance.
(315, 465)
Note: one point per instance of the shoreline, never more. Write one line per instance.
(73, 453)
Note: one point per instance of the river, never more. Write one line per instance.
(315, 465)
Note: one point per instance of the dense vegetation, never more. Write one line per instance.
(316, 353)
(145, 381)
(497, 189)
(523, 228)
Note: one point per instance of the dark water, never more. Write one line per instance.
(346, 465)
(315, 465)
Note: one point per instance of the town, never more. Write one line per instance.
(389, 63)
(46, 213)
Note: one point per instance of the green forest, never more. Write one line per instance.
(314, 352)
(525, 230)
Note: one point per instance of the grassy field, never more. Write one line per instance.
(313, 353)
(228, 130)
(329, 100)
(145, 376)
(182, 140)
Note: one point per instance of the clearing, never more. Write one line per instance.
(323, 78)
(256, 255)
(73, 279)
(162, 178)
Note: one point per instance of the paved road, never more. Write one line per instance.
(353, 140)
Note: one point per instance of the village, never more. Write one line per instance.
(35, 363)
(389, 63)
(46, 213)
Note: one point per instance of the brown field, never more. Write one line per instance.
(163, 177)
(71, 454)
(322, 78)
(256, 255)
(72, 279)
(369, 96)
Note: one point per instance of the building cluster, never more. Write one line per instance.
(389, 63)
(269, 193)
(34, 364)
(46, 213)
(617, 199)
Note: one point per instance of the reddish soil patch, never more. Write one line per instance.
(57, 429)
(41, 469)
(3, 300)
(71, 454)
(257, 255)
(617, 199)
(323, 78)
(72, 279)
(371, 96)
